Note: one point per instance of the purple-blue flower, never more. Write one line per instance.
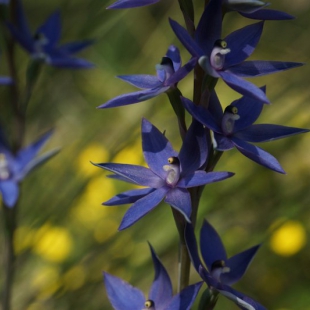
(169, 73)
(220, 272)
(43, 44)
(168, 176)
(127, 4)
(123, 296)
(226, 58)
(234, 128)
(14, 168)
(254, 9)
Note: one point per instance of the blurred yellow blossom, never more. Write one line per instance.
(289, 238)
(53, 243)
(131, 154)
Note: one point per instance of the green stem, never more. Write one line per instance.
(187, 9)
(9, 216)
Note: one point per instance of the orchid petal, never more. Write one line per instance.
(10, 191)
(127, 4)
(141, 80)
(268, 15)
(174, 54)
(143, 206)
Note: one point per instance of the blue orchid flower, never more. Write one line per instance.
(220, 272)
(168, 176)
(225, 59)
(234, 128)
(127, 4)
(254, 9)
(14, 168)
(43, 44)
(123, 296)
(169, 73)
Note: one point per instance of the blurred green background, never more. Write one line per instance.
(66, 238)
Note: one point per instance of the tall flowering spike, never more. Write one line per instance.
(169, 174)
(221, 272)
(254, 9)
(234, 128)
(125, 297)
(127, 4)
(43, 44)
(169, 73)
(14, 168)
(225, 59)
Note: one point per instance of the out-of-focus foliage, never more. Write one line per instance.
(66, 238)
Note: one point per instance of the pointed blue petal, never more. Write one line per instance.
(156, 148)
(202, 115)
(179, 199)
(191, 244)
(211, 246)
(74, 47)
(23, 39)
(238, 265)
(266, 14)
(10, 191)
(174, 54)
(184, 37)
(127, 4)
(134, 97)
(249, 110)
(137, 174)
(64, 61)
(26, 155)
(244, 302)
(142, 207)
(128, 197)
(181, 73)
(21, 21)
(185, 299)
(51, 29)
(194, 150)
(260, 67)
(202, 177)
(122, 295)
(258, 155)
(141, 80)
(5, 80)
(222, 143)
(242, 43)
(161, 290)
(267, 132)
(209, 27)
(243, 87)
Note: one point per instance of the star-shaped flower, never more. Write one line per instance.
(234, 128)
(14, 168)
(127, 4)
(226, 58)
(123, 296)
(254, 9)
(168, 176)
(169, 73)
(43, 44)
(221, 271)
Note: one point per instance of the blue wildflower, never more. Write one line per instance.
(221, 272)
(14, 168)
(169, 73)
(168, 176)
(234, 128)
(123, 296)
(226, 58)
(43, 44)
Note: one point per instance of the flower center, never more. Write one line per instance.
(217, 58)
(173, 171)
(218, 267)
(149, 305)
(164, 69)
(40, 41)
(4, 168)
(229, 118)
